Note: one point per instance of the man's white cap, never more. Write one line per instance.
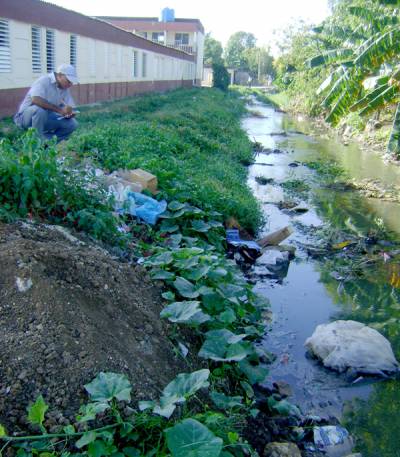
(69, 71)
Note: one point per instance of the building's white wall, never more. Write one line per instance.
(199, 56)
(97, 61)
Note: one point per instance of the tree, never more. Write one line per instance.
(235, 50)
(259, 62)
(212, 50)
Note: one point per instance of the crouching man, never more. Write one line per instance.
(48, 105)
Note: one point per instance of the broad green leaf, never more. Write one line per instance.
(106, 386)
(334, 55)
(131, 452)
(85, 439)
(190, 438)
(186, 384)
(199, 318)
(168, 295)
(37, 410)
(200, 226)
(227, 317)
(175, 205)
(162, 274)
(89, 411)
(146, 404)
(165, 258)
(223, 401)
(181, 311)
(186, 253)
(69, 430)
(254, 373)
(217, 273)
(231, 290)
(3, 431)
(223, 346)
(283, 407)
(197, 273)
(185, 288)
(187, 264)
(225, 335)
(169, 226)
(98, 448)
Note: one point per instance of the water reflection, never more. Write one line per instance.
(312, 293)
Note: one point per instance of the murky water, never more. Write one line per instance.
(309, 294)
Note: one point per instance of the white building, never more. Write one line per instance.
(35, 37)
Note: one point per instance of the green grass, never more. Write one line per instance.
(190, 139)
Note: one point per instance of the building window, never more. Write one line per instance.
(73, 40)
(50, 51)
(5, 48)
(181, 38)
(36, 49)
(144, 65)
(135, 64)
(158, 37)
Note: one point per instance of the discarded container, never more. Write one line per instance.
(142, 177)
(233, 238)
(334, 440)
(276, 237)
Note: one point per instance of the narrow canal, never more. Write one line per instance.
(318, 289)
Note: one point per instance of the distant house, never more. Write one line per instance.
(183, 34)
(35, 37)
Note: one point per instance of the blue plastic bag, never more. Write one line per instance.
(145, 208)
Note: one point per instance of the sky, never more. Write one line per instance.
(220, 17)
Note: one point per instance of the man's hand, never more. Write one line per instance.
(66, 111)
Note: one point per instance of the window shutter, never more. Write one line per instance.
(36, 50)
(5, 48)
(73, 50)
(50, 51)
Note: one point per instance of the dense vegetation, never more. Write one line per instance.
(347, 68)
(191, 139)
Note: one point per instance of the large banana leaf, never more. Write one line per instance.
(341, 107)
(394, 140)
(349, 82)
(380, 49)
(332, 56)
(367, 99)
(388, 95)
(378, 18)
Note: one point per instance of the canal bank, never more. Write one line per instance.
(307, 171)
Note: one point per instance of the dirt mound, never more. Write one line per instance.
(69, 310)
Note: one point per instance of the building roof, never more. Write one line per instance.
(38, 12)
(152, 24)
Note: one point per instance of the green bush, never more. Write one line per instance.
(33, 181)
(221, 76)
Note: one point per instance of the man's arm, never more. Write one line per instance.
(42, 103)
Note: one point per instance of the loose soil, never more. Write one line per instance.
(69, 309)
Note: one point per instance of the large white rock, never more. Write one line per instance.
(349, 344)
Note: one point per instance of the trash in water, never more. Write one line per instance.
(276, 237)
(334, 440)
(247, 249)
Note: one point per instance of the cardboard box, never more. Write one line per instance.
(142, 177)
